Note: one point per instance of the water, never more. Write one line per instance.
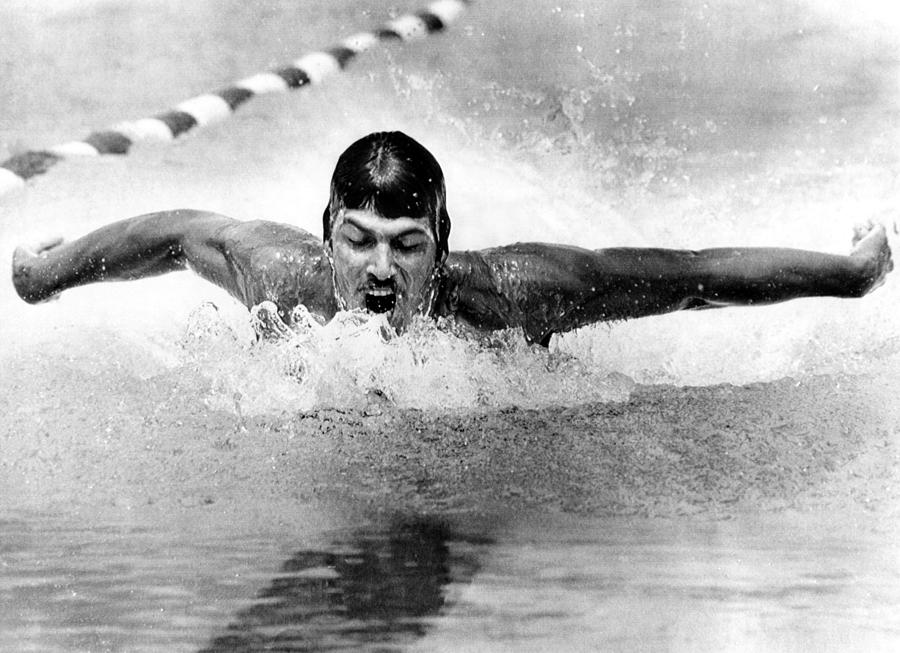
(625, 584)
(723, 480)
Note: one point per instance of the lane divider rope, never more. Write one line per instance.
(312, 68)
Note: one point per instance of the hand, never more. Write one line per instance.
(871, 250)
(25, 278)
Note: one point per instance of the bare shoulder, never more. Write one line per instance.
(536, 286)
(518, 263)
(482, 288)
(252, 240)
(280, 263)
(264, 233)
(209, 228)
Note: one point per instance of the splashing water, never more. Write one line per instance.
(684, 124)
(572, 123)
(356, 361)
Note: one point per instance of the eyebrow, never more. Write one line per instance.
(417, 230)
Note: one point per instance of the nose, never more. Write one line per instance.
(381, 265)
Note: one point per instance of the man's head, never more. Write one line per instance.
(386, 226)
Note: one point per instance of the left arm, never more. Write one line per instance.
(549, 289)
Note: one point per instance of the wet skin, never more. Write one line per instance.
(388, 265)
(383, 265)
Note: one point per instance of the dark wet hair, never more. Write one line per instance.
(394, 176)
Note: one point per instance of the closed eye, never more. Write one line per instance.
(410, 243)
(358, 239)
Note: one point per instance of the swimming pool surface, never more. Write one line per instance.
(712, 481)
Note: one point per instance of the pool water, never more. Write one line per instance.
(719, 480)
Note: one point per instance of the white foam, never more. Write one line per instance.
(349, 359)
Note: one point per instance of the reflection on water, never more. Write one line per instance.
(543, 583)
(66, 586)
(368, 589)
(680, 123)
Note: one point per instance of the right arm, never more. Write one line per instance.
(143, 246)
(253, 261)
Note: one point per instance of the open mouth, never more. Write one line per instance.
(380, 300)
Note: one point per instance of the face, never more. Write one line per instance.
(383, 265)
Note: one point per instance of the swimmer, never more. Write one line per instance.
(385, 250)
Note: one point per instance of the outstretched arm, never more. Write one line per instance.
(254, 261)
(144, 246)
(549, 289)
